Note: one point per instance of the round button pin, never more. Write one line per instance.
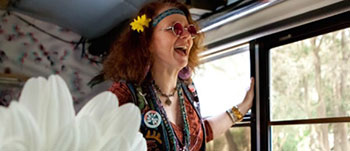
(152, 119)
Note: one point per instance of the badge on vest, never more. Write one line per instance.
(152, 119)
(191, 88)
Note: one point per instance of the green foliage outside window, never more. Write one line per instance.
(311, 79)
(237, 138)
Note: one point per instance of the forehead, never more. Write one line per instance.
(172, 19)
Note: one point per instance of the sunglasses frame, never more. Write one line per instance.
(183, 28)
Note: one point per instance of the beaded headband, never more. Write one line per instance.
(166, 13)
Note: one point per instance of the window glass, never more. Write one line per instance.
(222, 83)
(237, 138)
(311, 78)
(315, 137)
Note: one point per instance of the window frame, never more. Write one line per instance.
(261, 122)
(261, 39)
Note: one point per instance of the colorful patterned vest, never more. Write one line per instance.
(145, 98)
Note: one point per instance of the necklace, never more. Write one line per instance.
(167, 96)
(168, 128)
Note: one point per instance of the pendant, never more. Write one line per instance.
(152, 119)
(167, 101)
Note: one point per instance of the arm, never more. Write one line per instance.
(222, 122)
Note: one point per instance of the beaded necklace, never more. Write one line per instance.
(169, 130)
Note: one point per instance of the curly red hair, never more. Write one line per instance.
(129, 58)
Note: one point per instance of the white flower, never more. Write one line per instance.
(44, 120)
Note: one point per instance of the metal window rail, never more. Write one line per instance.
(311, 121)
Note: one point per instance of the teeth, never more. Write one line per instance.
(181, 47)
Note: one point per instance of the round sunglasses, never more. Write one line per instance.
(178, 29)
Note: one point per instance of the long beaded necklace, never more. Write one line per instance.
(169, 129)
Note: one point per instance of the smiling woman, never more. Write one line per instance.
(151, 66)
(130, 58)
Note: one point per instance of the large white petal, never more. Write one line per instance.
(14, 144)
(98, 110)
(51, 104)
(60, 108)
(20, 127)
(117, 143)
(34, 97)
(139, 143)
(99, 106)
(129, 118)
(2, 124)
(68, 139)
(124, 122)
(45, 116)
(89, 134)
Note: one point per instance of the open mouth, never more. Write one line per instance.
(181, 49)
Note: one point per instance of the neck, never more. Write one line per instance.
(165, 78)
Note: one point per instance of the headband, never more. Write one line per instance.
(166, 13)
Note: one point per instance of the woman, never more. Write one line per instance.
(151, 64)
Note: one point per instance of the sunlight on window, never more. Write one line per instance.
(311, 78)
(222, 83)
(307, 137)
(235, 139)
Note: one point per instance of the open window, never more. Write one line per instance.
(303, 101)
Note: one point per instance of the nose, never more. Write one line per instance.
(185, 34)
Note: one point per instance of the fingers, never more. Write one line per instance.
(252, 82)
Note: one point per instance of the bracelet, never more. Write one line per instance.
(237, 113)
(231, 115)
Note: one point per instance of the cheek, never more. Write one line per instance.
(162, 44)
(157, 48)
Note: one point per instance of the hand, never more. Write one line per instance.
(248, 99)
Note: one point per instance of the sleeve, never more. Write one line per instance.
(121, 90)
(208, 131)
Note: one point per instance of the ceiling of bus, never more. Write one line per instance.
(282, 10)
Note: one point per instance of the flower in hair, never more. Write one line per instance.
(139, 23)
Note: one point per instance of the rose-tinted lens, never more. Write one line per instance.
(192, 30)
(178, 29)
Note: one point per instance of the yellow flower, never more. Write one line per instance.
(139, 23)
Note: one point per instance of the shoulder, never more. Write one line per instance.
(121, 90)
